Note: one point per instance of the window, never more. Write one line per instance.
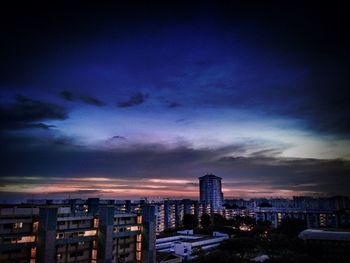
(8, 226)
(122, 246)
(33, 252)
(94, 254)
(95, 222)
(18, 225)
(138, 256)
(26, 239)
(35, 226)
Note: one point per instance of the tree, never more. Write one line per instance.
(233, 206)
(292, 227)
(244, 246)
(245, 223)
(190, 221)
(205, 220)
(218, 220)
(265, 204)
(219, 256)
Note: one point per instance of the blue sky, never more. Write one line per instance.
(167, 94)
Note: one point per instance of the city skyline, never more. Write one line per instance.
(128, 101)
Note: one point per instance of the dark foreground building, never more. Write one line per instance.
(55, 233)
(327, 245)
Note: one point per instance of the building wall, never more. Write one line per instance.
(54, 234)
(210, 191)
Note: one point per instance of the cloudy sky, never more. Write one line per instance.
(140, 100)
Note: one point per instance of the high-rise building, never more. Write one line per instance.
(210, 192)
(56, 233)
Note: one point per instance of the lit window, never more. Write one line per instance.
(96, 222)
(33, 252)
(35, 226)
(27, 239)
(134, 228)
(18, 225)
(89, 233)
(138, 256)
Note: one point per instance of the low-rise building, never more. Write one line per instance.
(327, 244)
(187, 245)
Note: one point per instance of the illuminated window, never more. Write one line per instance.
(35, 226)
(96, 222)
(138, 256)
(33, 252)
(26, 239)
(89, 233)
(18, 225)
(134, 228)
(94, 254)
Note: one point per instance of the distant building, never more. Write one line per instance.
(210, 192)
(312, 218)
(327, 245)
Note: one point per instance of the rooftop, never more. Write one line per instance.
(209, 176)
(327, 234)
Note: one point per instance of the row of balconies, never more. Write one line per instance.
(82, 245)
(74, 224)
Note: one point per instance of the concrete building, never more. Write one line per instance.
(312, 218)
(185, 244)
(53, 233)
(327, 245)
(210, 192)
(149, 224)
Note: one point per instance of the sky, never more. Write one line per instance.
(140, 99)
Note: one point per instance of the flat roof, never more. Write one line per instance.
(210, 176)
(327, 234)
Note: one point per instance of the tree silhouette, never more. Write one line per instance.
(190, 221)
(205, 220)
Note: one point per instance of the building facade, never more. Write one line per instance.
(53, 233)
(210, 192)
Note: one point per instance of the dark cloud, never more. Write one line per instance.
(38, 126)
(67, 95)
(134, 100)
(26, 112)
(91, 100)
(118, 137)
(264, 171)
(174, 105)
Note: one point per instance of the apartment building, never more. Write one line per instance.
(53, 233)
